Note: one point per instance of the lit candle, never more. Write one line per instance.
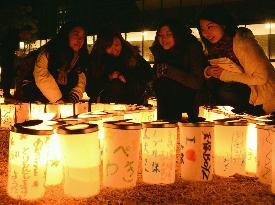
(196, 151)
(159, 152)
(121, 153)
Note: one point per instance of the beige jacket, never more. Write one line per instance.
(47, 84)
(259, 74)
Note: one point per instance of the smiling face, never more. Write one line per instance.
(76, 38)
(115, 48)
(166, 38)
(211, 31)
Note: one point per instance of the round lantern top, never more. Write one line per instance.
(122, 124)
(196, 124)
(70, 121)
(32, 127)
(89, 117)
(81, 128)
(231, 122)
(102, 114)
(160, 124)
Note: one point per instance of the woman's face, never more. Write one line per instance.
(115, 48)
(77, 36)
(211, 31)
(166, 38)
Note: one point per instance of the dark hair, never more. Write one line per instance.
(104, 40)
(219, 15)
(58, 49)
(182, 34)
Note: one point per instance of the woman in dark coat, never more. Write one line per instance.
(116, 72)
(179, 64)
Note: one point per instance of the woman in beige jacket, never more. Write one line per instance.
(236, 57)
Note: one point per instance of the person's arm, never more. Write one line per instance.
(44, 80)
(254, 61)
(144, 69)
(76, 93)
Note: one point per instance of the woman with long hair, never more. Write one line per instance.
(239, 74)
(179, 64)
(58, 74)
(116, 72)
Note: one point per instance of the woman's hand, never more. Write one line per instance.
(214, 71)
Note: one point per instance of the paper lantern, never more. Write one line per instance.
(196, 156)
(27, 162)
(53, 108)
(22, 112)
(81, 107)
(7, 115)
(230, 147)
(133, 116)
(251, 150)
(37, 110)
(97, 107)
(66, 110)
(81, 159)
(159, 141)
(152, 101)
(121, 153)
(273, 160)
(264, 153)
(114, 106)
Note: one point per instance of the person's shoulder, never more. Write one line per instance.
(243, 34)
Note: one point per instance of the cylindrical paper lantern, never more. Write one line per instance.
(53, 108)
(81, 107)
(81, 159)
(27, 162)
(121, 153)
(229, 147)
(66, 110)
(37, 110)
(196, 151)
(22, 112)
(97, 107)
(264, 153)
(7, 115)
(159, 141)
(114, 106)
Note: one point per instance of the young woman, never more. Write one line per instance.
(239, 71)
(116, 72)
(179, 64)
(58, 74)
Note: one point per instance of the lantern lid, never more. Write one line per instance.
(122, 124)
(32, 127)
(159, 124)
(70, 121)
(89, 117)
(231, 122)
(81, 128)
(196, 124)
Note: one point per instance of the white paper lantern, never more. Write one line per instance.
(114, 106)
(37, 110)
(27, 162)
(81, 107)
(196, 156)
(121, 153)
(230, 147)
(97, 107)
(22, 112)
(264, 153)
(7, 115)
(53, 108)
(159, 141)
(66, 110)
(81, 159)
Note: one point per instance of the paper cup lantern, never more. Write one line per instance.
(81, 107)
(251, 150)
(121, 153)
(53, 108)
(22, 112)
(7, 115)
(37, 110)
(133, 116)
(114, 106)
(159, 141)
(264, 153)
(229, 147)
(66, 110)
(196, 151)
(27, 162)
(97, 107)
(81, 159)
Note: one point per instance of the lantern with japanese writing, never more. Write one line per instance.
(27, 161)
(196, 151)
(264, 153)
(7, 115)
(159, 141)
(81, 159)
(121, 153)
(230, 147)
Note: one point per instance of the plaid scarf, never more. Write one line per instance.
(223, 48)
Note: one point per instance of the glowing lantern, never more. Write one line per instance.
(264, 153)
(251, 150)
(121, 153)
(81, 107)
(37, 110)
(215, 114)
(196, 151)
(152, 101)
(133, 116)
(53, 108)
(159, 152)
(230, 147)
(7, 115)
(113, 106)
(273, 161)
(81, 159)
(27, 161)
(66, 110)
(97, 107)
(22, 112)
